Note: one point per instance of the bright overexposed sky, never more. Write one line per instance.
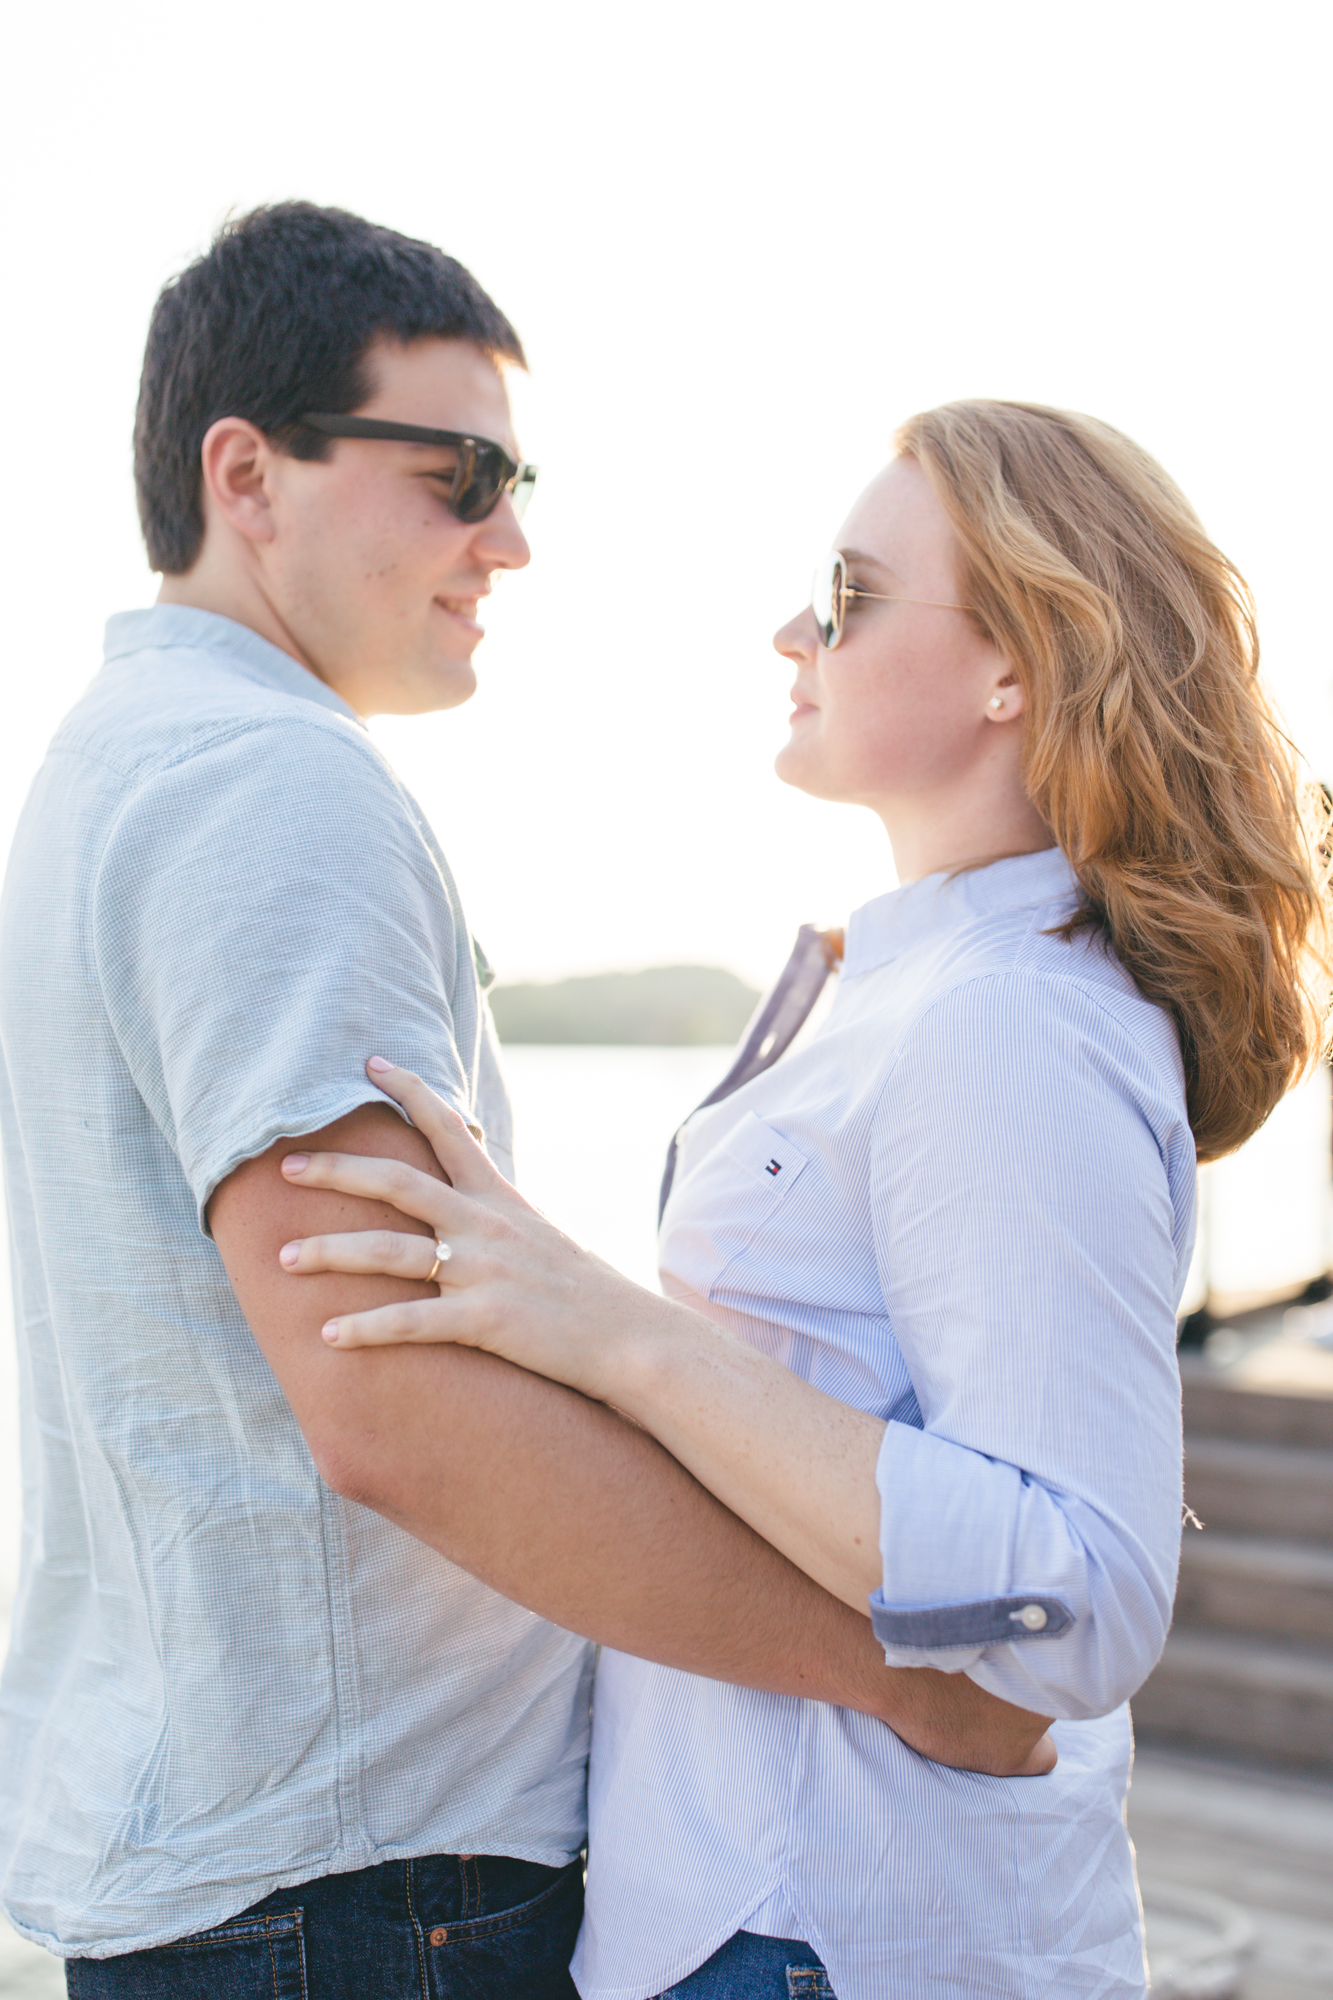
(740, 242)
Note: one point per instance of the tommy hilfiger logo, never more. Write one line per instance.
(773, 1167)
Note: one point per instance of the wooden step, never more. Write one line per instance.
(1238, 1583)
(1241, 1694)
(1218, 1405)
(1260, 1489)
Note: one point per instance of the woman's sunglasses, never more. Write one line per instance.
(831, 591)
(484, 471)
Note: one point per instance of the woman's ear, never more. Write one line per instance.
(1006, 701)
(234, 460)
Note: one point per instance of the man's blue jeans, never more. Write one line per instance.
(449, 1927)
(750, 1967)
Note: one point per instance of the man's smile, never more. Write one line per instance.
(464, 609)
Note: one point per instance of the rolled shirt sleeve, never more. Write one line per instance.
(1024, 1164)
(268, 913)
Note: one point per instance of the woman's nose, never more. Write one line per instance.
(798, 639)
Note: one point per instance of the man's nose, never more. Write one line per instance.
(798, 639)
(500, 542)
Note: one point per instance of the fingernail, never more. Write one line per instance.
(378, 1064)
(296, 1163)
(289, 1254)
(330, 1331)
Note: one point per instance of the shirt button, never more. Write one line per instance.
(1032, 1618)
(439, 1937)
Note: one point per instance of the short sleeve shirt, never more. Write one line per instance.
(223, 1678)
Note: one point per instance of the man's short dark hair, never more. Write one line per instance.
(276, 319)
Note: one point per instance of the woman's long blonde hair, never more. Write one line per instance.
(1151, 750)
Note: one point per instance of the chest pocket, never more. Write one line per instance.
(764, 1156)
(723, 1199)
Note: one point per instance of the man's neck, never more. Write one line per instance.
(203, 589)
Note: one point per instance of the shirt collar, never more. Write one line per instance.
(883, 930)
(173, 627)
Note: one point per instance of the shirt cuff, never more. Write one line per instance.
(984, 1621)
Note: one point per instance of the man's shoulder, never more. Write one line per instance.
(169, 707)
(281, 779)
(166, 755)
(212, 764)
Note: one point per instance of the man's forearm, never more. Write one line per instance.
(556, 1501)
(566, 1507)
(563, 1506)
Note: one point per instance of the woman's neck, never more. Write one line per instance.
(934, 843)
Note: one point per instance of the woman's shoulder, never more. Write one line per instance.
(1020, 1006)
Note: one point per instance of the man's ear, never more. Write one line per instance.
(235, 458)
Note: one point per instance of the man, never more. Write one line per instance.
(257, 1738)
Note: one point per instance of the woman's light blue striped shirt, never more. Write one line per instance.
(967, 1205)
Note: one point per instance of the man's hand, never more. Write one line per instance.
(555, 1501)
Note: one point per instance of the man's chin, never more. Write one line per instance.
(454, 684)
(426, 688)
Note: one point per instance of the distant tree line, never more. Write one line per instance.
(669, 1004)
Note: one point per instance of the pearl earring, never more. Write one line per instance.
(997, 701)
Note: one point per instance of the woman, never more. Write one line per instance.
(923, 1274)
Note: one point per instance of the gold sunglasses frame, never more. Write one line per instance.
(831, 628)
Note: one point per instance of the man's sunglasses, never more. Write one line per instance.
(484, 471)
(828, 599)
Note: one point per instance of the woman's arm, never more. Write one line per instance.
(796, 1465)
(1031, 1179)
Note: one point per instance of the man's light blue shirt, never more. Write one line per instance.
(223, 1678)
(967, 1205)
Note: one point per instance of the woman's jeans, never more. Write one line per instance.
(449, 1927)
(749, 1967)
